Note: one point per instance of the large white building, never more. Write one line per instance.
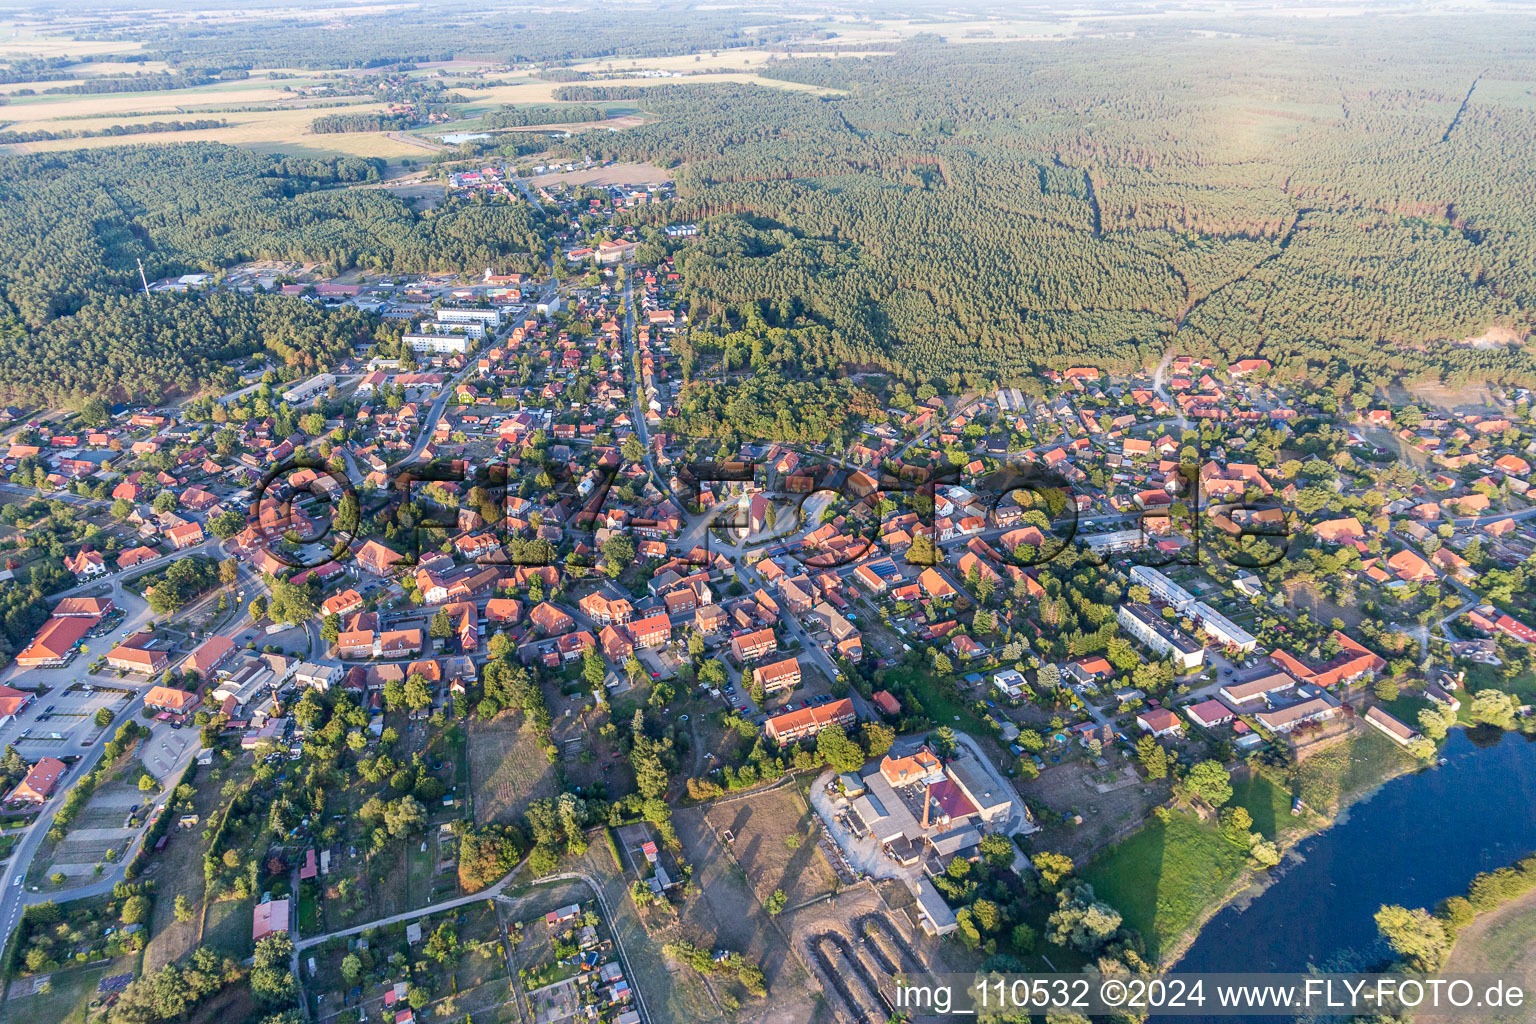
(1147, 626)
(1163, 588)
(1115, 540)
(1222, 629)
(438, 344)
(490, 318)
(308, 389)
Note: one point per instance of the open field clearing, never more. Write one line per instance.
(57, 106)
(18, 40)
(267, 131)
(507, 769)
(533, 91)
(723, 59)
(615, 174)
(622, 121)
(727, 912)
(1165, 876)
(775, 843)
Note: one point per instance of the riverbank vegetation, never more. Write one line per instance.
(1172, 875)
(1422, 941)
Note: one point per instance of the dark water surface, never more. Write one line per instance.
(1418, 839)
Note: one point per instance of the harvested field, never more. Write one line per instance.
(507, 769)
(761, 824)
(615, 174)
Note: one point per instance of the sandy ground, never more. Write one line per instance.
(614, 174)
(1495, 337)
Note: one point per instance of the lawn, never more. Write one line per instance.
(548, 973)
(1165, 876)
(1269, 802)
(941, 701)
(1483, 677)
(1406, 708)
(1333, 778)
(228, 928)
(68, 999)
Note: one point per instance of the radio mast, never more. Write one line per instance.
(142, 278)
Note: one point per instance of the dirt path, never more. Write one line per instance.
(1504, 943)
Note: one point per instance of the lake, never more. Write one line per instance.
(1416, 840)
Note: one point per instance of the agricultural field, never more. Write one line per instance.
(613, 174)
(508, 769)
(20, 39)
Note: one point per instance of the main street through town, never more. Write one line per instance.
(165, 753)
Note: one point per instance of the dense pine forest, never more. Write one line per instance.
(72, 226)
(1350, 204)
(1352, 199)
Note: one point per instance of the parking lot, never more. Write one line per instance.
(63, 720)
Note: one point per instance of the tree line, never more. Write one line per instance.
(10, 138)
(511, 116)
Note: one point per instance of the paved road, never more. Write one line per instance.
(13, 898)
(434, 414)
(638, 408)
(808, 647)
(964, 406)
(1160, 385)
(302, 943)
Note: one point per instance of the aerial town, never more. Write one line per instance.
(710, 515)
(354, 659)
